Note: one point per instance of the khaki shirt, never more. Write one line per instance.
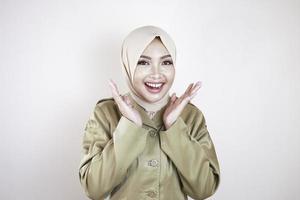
(123, 161)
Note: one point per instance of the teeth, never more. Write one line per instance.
(154, 85)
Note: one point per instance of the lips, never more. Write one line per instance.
(154, 87)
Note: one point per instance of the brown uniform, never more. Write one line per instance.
(123, 161)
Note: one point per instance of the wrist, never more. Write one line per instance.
(139, 123)
(167, 125)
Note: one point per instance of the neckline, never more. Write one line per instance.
(157, 119)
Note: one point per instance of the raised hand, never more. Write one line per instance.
(124, 104)
(176, 105)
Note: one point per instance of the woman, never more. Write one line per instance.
(147, 144)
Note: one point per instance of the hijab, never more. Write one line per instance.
(133, 46)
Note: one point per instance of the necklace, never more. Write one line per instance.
(151, 114)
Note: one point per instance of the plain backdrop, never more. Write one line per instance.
(56, 57)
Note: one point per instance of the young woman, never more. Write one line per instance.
(147, 144)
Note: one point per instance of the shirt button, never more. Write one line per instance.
(151, 193)
(152, 133)
(153, 163)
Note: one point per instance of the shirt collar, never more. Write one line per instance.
(156, 121)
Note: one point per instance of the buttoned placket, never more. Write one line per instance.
(154, 163)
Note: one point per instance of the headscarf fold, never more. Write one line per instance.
(133, 46)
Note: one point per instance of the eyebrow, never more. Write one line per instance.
(147, 57)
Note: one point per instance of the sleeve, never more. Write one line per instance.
(105, 160)
(192, 151)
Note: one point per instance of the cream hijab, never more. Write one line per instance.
(132, 48)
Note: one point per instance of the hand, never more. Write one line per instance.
(124, 104)
(176, 105)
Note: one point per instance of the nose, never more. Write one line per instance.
(155, 69)
(155, 76)
(155, 72)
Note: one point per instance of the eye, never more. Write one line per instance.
(167, 62)
(143, 62)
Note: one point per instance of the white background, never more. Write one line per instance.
(56, 57)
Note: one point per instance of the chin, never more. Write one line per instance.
(152, 98)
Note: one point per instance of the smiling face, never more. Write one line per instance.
(154, 74)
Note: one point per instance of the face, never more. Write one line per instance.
(154, 74)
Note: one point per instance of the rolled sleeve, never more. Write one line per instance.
(193, 153)
(129, 141)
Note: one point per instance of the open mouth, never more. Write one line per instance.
(154, 87)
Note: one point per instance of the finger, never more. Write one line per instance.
(177, 100)
(180, 106)
(181, 98)
(113, 89)
(193, 95)
(186, 97)
(115, 86)
(192, 92)
(188, 88)
(197, 85)
(173, 99)
(195, 91)
(118, 98)
(196, 88)
(185, 94)
(127, 101)
(188, 91)
(170, 102)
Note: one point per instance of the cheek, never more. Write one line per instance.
(140, 75)
(138, 78)
(170, 74)
(138, 83)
